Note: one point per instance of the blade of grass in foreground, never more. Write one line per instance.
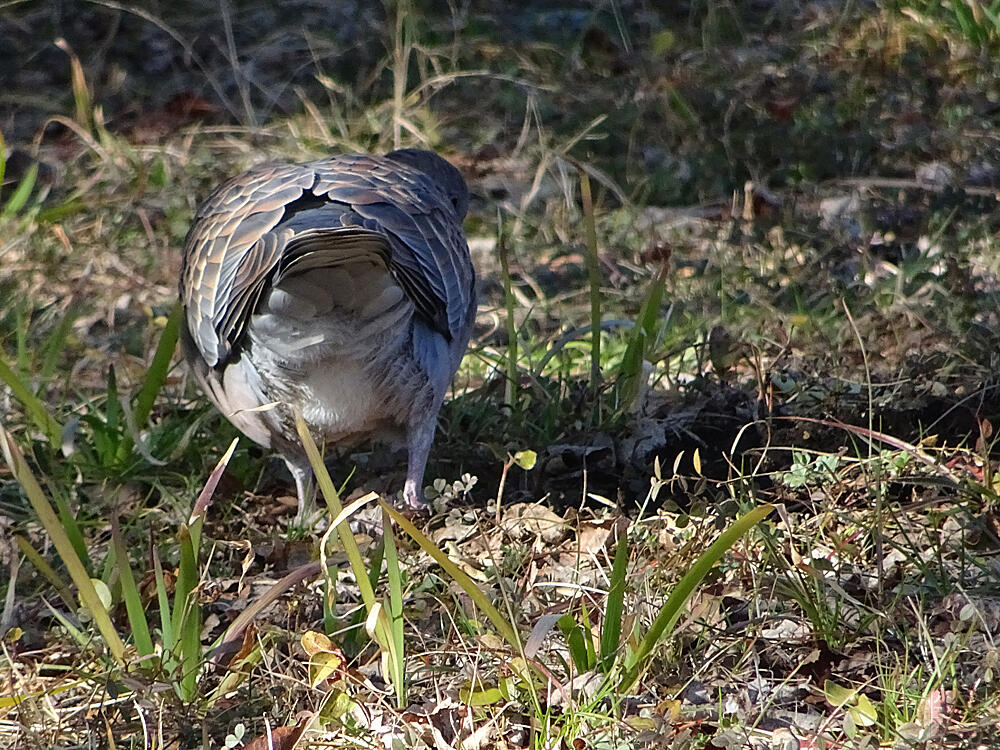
(130, 593)
(187, 614)
(398, 666)
(382, 629)
(20, 196)
(671, 611)
(457, 574)
(641, 338)
(50, 521)
(158, 368)
(47, 571)
(615, 605)
(34, 406)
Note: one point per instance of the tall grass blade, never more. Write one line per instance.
(395, 612)
(456, 574)
(47, 571)
(381, 628)
(118, 442)
(614, 606)
(594, 273)
(72, 529)
(510, 385)
(88, 594)
(642, 337)
(158, 368)
(19, 198)
(187, 614)
(671, 610)
(130, 593)
(78, 81)
(167, 634)
(336, 509)
(204, 500)
(575, 640)
(355, 627)
(36, 410)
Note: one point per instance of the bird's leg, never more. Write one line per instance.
(418, 445)
(305, 487)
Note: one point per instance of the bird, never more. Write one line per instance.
(340, 289)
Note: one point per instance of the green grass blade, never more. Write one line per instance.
(47, 571)
(55, 344)
(88, 594)
(614, 606)
(81, 92)
(37, 410)
(395, 612)
(594, 274)
(510, 385)
(130, 593)
(72, 529)
(20, 196)
(119, 444)
(674, 606)
(166, 626)
(187, 615)
(83, 640)
(331, 623)
(336, 508)
(588, 639)
(992, 16)
(355, 627)
(641, 338)
(381, 628)
(458, 575)
(56, 213)
(966, 22)
(158, 368)
(575, 641)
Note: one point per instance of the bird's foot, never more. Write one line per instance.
(413, 496)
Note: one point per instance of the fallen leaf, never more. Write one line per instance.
(279, 738)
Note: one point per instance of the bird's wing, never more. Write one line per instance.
(230, 251)
(238, 241)
(429, 256)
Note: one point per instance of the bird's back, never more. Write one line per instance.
(341, 288)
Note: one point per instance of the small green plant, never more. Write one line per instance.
(235, 738)
(976, 21)
(806, 469)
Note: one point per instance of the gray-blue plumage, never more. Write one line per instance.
(341, 289)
